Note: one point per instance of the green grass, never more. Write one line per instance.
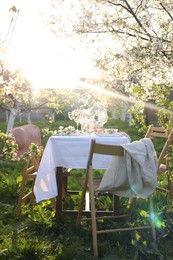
(36, 235)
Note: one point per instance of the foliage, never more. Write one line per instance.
(8, 147)
(14, 91)
(37, 235)
(133, 42)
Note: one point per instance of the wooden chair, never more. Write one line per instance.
(29, 174)
(26, 135)
(112, 150)
(159, 134)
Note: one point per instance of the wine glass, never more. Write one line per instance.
(99, 115)
(75, 115)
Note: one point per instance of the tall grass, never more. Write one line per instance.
(36, 235)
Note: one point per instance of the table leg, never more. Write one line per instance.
(62, 186)
(59, 179)
(116, 205)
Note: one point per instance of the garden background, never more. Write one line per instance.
(36, 235)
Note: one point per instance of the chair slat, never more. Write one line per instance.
(108, 149)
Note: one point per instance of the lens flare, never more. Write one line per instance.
(157, 221)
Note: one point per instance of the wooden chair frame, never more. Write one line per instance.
(112, 150)
(30, 172)
(154, 132)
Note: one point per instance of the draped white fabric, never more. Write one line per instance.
(69, 152)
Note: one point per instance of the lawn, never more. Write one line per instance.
(36, 235)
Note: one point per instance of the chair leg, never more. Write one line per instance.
(116, 207)
(93, 213)
(152, 218)
(130, 207)
(18, 211)
(53, 201)
(22, 196)
(32, 197)
(169, 183)
(22, 188)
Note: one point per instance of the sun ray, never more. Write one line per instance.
(115, 94)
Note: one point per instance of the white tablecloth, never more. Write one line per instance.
(69, 152)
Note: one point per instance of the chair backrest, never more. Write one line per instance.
(25, 135)
(105, 149)
(32, 164)
(161, 133)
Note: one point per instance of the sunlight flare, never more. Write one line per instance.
(115, 94)
(45, 59)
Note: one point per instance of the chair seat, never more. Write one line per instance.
(96, 182)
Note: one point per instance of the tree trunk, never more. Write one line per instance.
(113, 113)
(20, 117)
(53, 116)
(130, 119)
(29, 117)
(123, 112)
(6, 115)
(12, 117)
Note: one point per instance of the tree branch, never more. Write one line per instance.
(115, 31)
(130, 10)
(124, 7)
(136, 18)
(166, 10)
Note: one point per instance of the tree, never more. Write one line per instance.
(144, 64)
(13, 92)
(134, 48)
(16, 92)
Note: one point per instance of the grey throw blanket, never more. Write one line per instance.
(137, 169)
